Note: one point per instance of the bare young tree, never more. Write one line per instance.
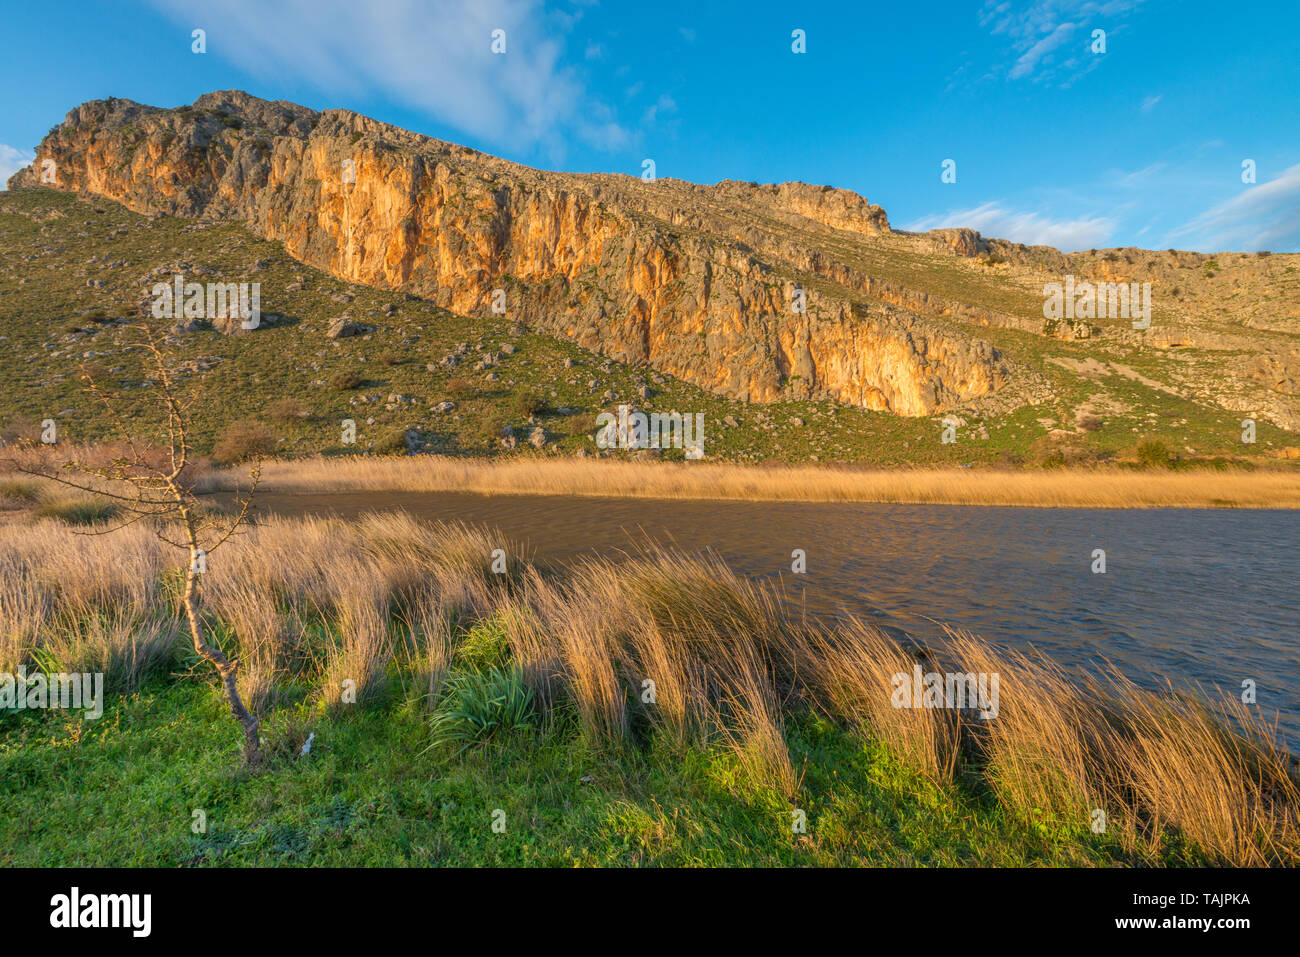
(149, 482)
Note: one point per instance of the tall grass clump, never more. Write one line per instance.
(25, 606)
(79, 510)
(360, 646)
(1210, 771)
(262, 631)
(125, 646)
(677, 644)
(1040, 753)
(480, 706)
(851, 670)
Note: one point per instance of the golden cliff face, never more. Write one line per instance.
(669, 274)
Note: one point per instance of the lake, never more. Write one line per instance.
(1191, 595)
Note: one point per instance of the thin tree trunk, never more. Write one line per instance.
(226, 668)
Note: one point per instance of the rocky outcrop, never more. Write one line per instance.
(963, 242)
(713, 284)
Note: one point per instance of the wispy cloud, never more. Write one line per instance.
(1266, 216)
(1033, 229)
(1150, 102)
(431, 55)
(1136, 177)
(1039, 29)
(661, 107)
(1029, 59)
(11, 161)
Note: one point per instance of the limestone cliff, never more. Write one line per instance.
(698, 281)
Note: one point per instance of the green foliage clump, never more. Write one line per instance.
(393, 442)
(1154, 453)
(78, 511)
(478, 706)
(485, 645)
(529, 404)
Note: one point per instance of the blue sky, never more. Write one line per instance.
(1140, 145)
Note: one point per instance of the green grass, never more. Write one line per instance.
(78, 511)
(122, 791)
(23, 491)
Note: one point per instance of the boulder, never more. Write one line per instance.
(344, 328)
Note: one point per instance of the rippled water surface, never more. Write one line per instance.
(1189, 594)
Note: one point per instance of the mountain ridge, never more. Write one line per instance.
(696, 281)
(454, 225)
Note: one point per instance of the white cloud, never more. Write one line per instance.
(1029, 59)
(1137, 177)
(1032, 229)
(11, 161)
(1150, 102)
(431, 55)
(1266, 216)
(1038, 28)
(664, 105)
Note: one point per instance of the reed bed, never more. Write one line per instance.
(1096, 488)
(665, 647)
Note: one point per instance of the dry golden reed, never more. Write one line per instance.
(1097, 488)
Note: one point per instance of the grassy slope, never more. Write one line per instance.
(121, 791)
(51, 238)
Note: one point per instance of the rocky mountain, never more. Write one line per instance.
(699, 282)
(751, 292)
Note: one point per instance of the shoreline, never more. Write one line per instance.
(1100, 488)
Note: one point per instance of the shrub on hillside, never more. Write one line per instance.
(494, 429)
(1154, 454)
(20, 430)
(583, 423)
(459, 387)
(345, 380)
(244, 440)
(530, 404)
(1051, 453)
(286, 410)
(393, 442)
